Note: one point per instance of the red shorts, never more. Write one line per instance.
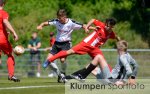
(83, 48)
(6, 48)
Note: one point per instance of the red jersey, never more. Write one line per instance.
(3, 32)
(99, 37)
(52, 41)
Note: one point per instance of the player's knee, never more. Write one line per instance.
(70, 51)
(62, 60)
(100, 58)
(49, 56)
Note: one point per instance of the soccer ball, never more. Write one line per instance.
(18, 50)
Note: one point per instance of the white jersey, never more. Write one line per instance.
(64, 30)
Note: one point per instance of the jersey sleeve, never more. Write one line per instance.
(135, 66)
(97, 22)
(5, 15)
(76, 25)
(52, 22)
(127, 67)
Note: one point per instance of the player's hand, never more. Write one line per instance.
(15, 36)
(97, 28)
(86, 30)
(46, 49)
(39, 27)
(131, 81)
(34, 48)
(119, 83)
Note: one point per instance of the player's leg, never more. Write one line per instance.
(63, 65)
(38, 69)
(53, 66)
(10, 65)
(98, 59)
(52, 73)
(64, 47)
(52, 52)
(7, 49)
(61, 54)
(104, 66)
(78, 49)
(38, 60)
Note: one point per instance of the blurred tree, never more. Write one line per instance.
(66, 4)
(137, 14)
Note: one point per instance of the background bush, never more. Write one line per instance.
(133, 18)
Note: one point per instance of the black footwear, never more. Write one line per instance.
(62, 78)
(58, 79)
(78, 77)
(13, 78)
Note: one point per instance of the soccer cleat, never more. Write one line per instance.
(58, 80)
(78, 77)
(13, 78)
(61, 78)
(45, 64)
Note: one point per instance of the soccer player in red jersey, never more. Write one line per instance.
(91, 44)
(51, 41)
(5, 45)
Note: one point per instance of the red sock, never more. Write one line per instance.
(58, 55)
(10, 65)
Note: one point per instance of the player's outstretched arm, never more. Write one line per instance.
(88, 25)
(8, 25)
(118, 38)
(40, 27)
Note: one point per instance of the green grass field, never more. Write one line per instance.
(50, 86)
(32, 86)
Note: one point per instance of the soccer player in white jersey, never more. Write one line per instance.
(90, 45)
(65, 27)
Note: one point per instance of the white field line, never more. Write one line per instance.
(24, 87)
(42, 86)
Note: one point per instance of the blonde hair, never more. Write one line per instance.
(122, 45)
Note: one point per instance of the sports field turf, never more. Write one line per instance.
(32, 86)
(50, 86)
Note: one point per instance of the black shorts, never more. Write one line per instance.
(59, 46)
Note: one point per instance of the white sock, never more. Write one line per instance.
(55, 68)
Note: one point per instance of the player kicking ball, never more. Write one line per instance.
(91, 44)
(65, 26)
(120, 74)
(5, 45)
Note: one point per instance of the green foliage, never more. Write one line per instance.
(133, 19)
